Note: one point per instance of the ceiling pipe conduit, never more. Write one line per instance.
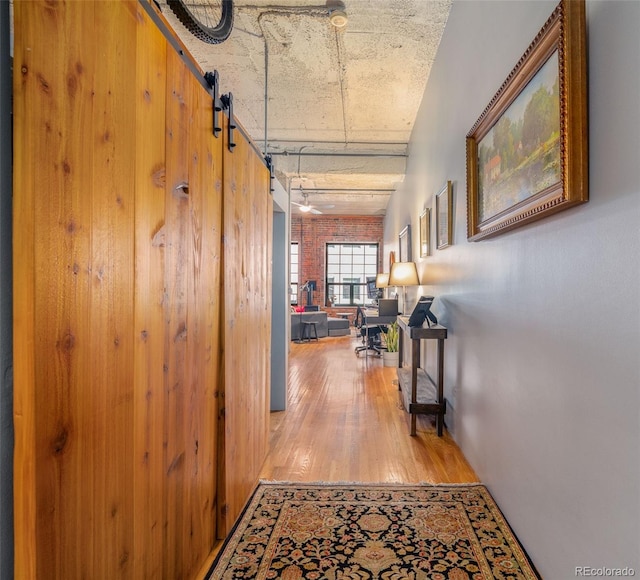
(321, 142)
(335, 154)
(275, 10)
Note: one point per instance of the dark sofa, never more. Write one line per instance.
(319, 317)
(325, 326)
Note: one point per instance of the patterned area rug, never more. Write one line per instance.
(359, 532)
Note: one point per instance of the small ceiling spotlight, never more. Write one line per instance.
(337, 13)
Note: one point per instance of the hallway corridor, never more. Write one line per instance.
(344, 423)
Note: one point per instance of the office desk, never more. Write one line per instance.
(371, 318)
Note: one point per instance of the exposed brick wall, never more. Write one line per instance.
(314, 232)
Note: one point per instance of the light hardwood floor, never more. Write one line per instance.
(344, 422)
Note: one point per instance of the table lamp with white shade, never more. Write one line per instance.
(382, 281)
(404, 274)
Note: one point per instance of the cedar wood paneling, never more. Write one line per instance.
(118, 312)
(248, 219)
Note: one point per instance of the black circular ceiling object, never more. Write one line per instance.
(209, 20)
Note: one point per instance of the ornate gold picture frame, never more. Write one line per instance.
(404, 244)
(444, 216)
(527, 154)
(425, 233)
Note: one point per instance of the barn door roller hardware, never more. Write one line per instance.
(227, 101)
(269, 161)
(213, 80)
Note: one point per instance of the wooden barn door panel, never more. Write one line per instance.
(119, 313)
(203, 324)
(192, 304)
(177, 256)
(117, 309)
(74, 414)
(105, 387)
(247, 323)
(149, 326)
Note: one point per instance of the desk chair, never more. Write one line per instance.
(371, 339)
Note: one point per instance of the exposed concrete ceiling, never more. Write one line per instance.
(333, 106)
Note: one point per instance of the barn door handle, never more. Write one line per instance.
(213, 80)
(227, 101)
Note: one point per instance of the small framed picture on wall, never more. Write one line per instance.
(404, 239)
(444, 216)
(425, 232)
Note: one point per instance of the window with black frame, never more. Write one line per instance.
(348, 267)
(293, 274)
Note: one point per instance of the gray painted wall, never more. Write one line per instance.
(280, 299)
(6, 353)
(542, 360)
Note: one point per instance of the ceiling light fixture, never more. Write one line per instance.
(305, 207)
(337, 13)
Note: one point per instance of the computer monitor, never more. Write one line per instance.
(422, 311)
(388, 307)
(373, 293)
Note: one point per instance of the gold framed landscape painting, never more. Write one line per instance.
(527, 154)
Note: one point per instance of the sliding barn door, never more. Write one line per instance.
(74, 258)
(117, 286)
(248, 219)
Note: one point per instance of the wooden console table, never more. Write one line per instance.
(420, 394)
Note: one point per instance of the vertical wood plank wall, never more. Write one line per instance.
(120, 469)
(248, 220)
(149, 398)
